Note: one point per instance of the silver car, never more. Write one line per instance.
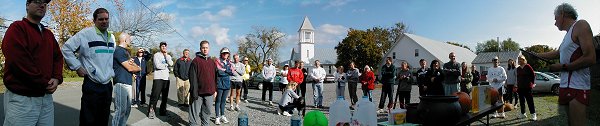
(546, 83)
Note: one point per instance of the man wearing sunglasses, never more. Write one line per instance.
(33, 69)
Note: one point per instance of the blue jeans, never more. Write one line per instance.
(220, 104)
(367, 92)
(341, 89)
(450, 88)
(28, 111)
(122, 104)
(318, 93)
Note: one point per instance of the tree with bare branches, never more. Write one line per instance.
(141, 23)
(260, 45)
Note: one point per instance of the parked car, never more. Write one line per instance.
(546, 83)
(257, 81)
(329, 78)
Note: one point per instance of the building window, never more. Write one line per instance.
(416, 52)
(394, 55)
(307, 35)
(307, 54)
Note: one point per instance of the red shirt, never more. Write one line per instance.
(525, 77)
(33, 57)
(368, 80)
(295, 75)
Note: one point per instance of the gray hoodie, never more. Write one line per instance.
(95, 51)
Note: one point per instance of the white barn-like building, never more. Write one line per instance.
(483, 61)
(412, 48)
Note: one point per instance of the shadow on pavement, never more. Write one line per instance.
(63, 115)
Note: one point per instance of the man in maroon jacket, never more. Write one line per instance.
(203, 82)
(33, 69)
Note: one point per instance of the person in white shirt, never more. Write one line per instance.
(576, 55)
(283, 74)
(497, 78)
(160, 84)
(318, 74)
(268, 73)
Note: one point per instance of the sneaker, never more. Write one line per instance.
(151, 114)
(144, 105)
(495, 115)
(134, 106)
(230, 108)
(286, 114)
(218, 121)
(502, 115)
(224, 119)
(270, 103)
(516, 106)
(278, 111)
(246, 101)
(534, 117)
(524, 115)
(380, 111)
(237, 108)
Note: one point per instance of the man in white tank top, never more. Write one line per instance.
(576, 54)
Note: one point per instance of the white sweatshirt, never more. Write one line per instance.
(496, 73)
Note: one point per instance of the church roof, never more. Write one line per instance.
(325, 56)
(486, 57)
(306, 25)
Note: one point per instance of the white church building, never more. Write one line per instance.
(412, 48)
(305, 51)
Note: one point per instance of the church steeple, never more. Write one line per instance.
(306, 37)
(306, 25)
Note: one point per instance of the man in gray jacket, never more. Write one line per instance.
(452, 71)
(95, 46)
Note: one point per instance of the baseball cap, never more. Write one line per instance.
(224, 50)
(45, 1)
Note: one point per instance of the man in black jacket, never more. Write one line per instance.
(476, 76)
(181, 72)
(422, 77)
(388, 75)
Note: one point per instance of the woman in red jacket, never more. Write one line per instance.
(368, 82)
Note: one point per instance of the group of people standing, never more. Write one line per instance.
(34, 64)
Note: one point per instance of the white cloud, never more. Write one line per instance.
(162, 4)
(333, 29)
(219, 33)
(309, 2)
(198, 4)
(337, 3)
(226, 12)
(330, 33)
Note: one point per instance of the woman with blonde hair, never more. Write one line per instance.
(289, 100)
(525, 82)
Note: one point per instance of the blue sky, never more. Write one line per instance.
(467, 22)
